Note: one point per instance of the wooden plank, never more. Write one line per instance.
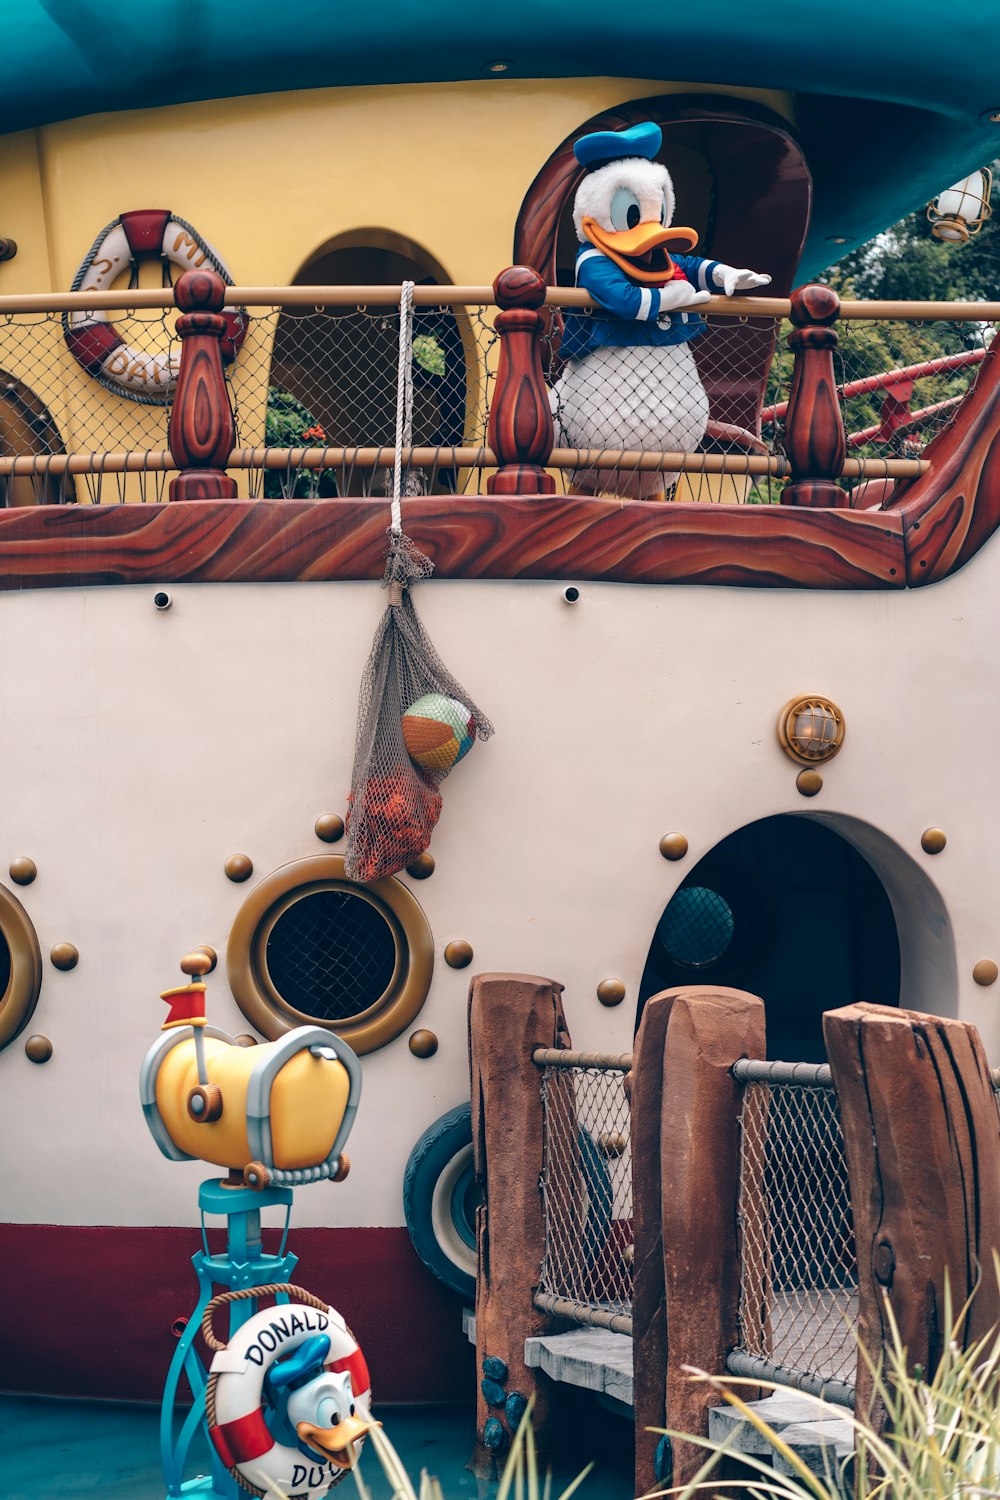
(548, 537)
(922, 1138)
(649, 1296)
(709, 1030)
(510, 1015)
(950, 512)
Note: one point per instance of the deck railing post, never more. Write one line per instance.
(649, 1297)
(510, 1015)
(815, 440)
(201, 433)
(922, 1140)
(709, 1030)
(520, 427)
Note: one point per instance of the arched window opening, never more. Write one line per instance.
(28, 430)
(787, 909)
(334, 370)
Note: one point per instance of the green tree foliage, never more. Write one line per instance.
(291, 425)
(907, 264)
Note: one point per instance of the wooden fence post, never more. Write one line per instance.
(709, 1030)
(510, 1015)
(201, 432)
(815, 440)
(520, 425)
(649, 1297)
(922, 1139)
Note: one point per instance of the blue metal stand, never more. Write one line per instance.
(244, 1264)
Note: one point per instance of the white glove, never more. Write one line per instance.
(678, 294)
(739, 281)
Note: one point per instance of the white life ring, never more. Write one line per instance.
(235, 1402)
(93, 339)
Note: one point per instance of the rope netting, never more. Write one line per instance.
(798, 1292)
(587, 1191)
(326, 377)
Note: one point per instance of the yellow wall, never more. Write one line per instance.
(270, 179)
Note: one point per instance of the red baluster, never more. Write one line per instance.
(202, 433)
(815, 441)
(520, 430)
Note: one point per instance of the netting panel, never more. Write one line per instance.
(326, 376)
(587, 1188)
(798, 1293)
(331, 954)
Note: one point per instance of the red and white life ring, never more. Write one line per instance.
(236, 1412)
(95, 342)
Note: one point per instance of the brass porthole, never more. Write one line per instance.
(310, 947)
(20, 967)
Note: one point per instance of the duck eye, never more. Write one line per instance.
(625, 211)
(352, 1408)
(327, 1414)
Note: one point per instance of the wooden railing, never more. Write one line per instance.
(521, 446)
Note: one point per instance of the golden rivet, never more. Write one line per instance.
(64, 956)
(23, 870)
(611, 992)
(330, 828)
(210, 954)
(196, 963)
(673, 846)
(343, 1167)
(933, 840)
(808, 783)
(985, 971)
(421, 867)
(614, 1145)
(239, 867)
(458, 954)
(423, 1044)
(244, 1039)
(38, 1049)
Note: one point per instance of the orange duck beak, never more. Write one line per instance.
(641, 252)
(336, 1444)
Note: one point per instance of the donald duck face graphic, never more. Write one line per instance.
(625, 208)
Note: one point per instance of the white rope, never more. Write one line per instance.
(404, 400)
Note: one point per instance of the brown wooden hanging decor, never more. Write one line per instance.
(521, 432)
(202, 433)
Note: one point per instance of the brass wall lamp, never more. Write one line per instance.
(810, 730)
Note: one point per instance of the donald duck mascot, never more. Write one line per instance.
(631, 380)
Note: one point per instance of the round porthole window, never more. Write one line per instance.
(20, 967)
(310, 947)
(697, 927)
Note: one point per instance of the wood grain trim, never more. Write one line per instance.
(555, 537)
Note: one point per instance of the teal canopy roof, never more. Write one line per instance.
(897, 92)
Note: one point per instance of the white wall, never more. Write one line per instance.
(140, 749)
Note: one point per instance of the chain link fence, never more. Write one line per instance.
(326, 377)
(586, 1273)
(798, 1293)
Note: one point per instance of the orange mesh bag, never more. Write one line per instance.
(394, 803)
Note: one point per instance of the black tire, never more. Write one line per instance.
(439, 1201)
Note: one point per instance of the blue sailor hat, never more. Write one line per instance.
(602, 146)
(307, 1360)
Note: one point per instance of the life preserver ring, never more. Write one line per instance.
(236, 1406)
(94, 341)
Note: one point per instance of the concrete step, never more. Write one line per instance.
(820, 1434)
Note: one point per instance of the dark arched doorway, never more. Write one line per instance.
(334, 370)
(27, 429)
(790, 910)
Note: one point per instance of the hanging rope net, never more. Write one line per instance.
(415, 721)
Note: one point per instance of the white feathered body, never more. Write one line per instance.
(646, 397)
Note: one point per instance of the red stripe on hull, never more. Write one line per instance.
(93, 1307)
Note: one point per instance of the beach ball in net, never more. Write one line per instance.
(437, 732)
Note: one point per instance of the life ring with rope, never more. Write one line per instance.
(94, 341)
(288, 1401)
